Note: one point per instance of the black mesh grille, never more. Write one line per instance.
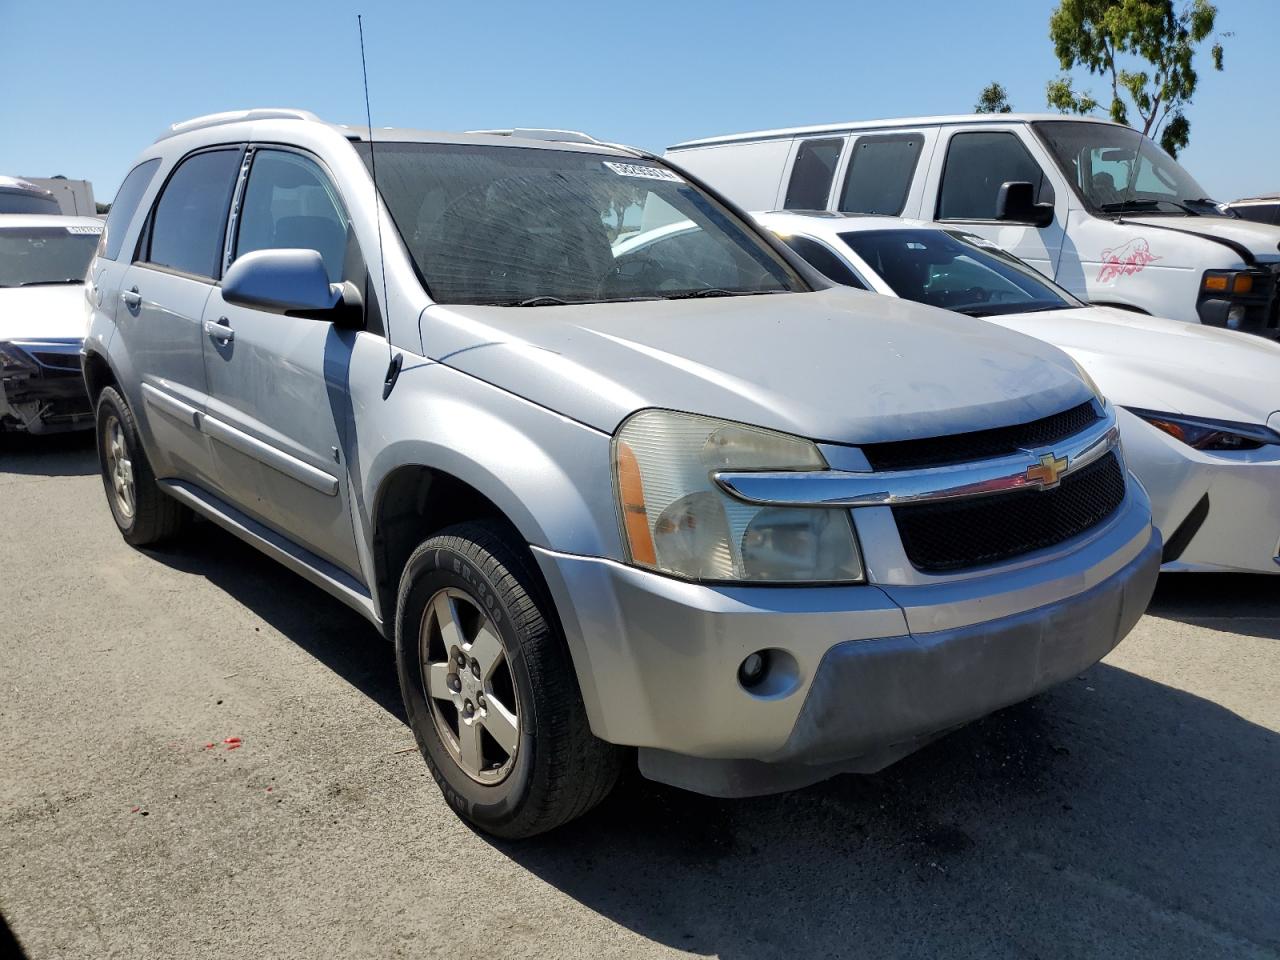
(967, 533)
(981, 444)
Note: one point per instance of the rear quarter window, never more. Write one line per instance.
(125, 206)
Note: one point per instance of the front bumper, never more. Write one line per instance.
(1240, 529)
(877, 669)
(42, 390)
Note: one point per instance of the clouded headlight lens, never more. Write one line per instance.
(677, 520)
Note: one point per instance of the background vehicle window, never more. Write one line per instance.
(977, 165)
(125, 206)
(1259, 212)
(812, 173)
(956, 271)
(29, 202)
(824, 261)
(290, 204)
(880, 174)
(33, 256)
(190, 219)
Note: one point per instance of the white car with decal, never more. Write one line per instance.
(43, 260)
(1199, 407)
(1059, 193)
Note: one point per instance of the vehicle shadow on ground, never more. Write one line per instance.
(1113, 816)
(1237, 603)
(326, 628)
(53, 455)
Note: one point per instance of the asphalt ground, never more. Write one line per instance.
(1134, 812)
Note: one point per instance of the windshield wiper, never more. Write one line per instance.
(1138, 202)
(541, 301)
(50, 283)
(716, 292)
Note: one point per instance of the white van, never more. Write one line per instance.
(1054, 191)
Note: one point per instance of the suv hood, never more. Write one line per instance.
(1261, 239)
(1141, 361)
(42, 313)
(836, 365)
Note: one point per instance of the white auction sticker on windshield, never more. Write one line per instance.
(981, 242)
(644, 171)
(84, 229)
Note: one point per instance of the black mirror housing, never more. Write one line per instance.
(293, 283)
(1016, 203)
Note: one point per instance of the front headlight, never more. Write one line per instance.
(14, 360)
(1206, 434)
(676, 520)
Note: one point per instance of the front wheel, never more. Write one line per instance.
(489, 687)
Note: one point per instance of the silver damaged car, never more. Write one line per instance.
(693, 506)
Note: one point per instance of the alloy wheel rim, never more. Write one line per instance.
(120, 469)
(469, 686)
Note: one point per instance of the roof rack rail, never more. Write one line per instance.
(235, 116)
(541, 133)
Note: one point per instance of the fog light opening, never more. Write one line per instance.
(769, 674)
(751, 671)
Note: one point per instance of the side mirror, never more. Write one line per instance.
(1016, 203)
(293, 283)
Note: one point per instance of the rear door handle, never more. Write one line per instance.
(132, 298)
(220, 331)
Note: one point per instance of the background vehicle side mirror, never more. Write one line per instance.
(1016, 203)
(293, 283)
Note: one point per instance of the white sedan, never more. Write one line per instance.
(1199, 406)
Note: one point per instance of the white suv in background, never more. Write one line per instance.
(1058, 193)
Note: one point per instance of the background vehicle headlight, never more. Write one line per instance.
(1205, 434)
(675, 518)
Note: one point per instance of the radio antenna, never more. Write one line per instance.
(395, 360)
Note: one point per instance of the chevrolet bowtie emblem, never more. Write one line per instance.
(1048, 471)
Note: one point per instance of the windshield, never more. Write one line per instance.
(1098, 158)
(956, 271)
(517, 226)
(31, 256)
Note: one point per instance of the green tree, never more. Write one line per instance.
(993, 99)
(1157, 44)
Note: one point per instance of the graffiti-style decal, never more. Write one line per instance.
(1125, 260)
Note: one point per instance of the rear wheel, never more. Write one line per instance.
(143, 512)
(489, 687)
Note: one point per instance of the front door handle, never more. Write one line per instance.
(220, 331)
(132, 298)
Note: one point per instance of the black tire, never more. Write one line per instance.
(155, 516)
(560, 769)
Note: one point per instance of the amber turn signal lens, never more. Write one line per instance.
(635, 519)
(1243, 284)
(1217, 282)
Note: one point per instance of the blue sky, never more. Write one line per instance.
(85, 89)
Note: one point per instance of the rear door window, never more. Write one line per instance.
(977, 165)
(125, 206)
(188, 224)
(812, 174)
(880, 172)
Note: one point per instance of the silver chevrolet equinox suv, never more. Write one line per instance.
(696, 507)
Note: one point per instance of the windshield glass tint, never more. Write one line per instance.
(955, 271)
(1099, 159)
(522, 226)
(30, 256)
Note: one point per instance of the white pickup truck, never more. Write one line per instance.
(1056, 192)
